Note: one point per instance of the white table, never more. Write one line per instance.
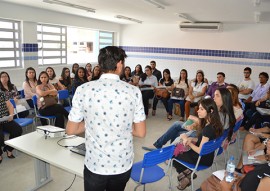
(47, 152)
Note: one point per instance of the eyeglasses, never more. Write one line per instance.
(4, 76)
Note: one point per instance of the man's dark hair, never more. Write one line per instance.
(109, 57)
(264, 74)
(221, 73)
(248, 69)
(154, 62)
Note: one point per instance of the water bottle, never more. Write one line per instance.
(230, 169)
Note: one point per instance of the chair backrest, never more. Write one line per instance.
(34, 99)
(12, 101)
(211, 146)
(21, 92)
(237, 125)
(157, 156)
(63, 94)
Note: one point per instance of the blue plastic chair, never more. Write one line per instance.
(23, 122)
(49, 118)
(21, 92)
(64, 95)
(207, 148)
(148, 171)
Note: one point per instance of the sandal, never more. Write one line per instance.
(169, 118)
(184, 183)
(186, 173)
(153, 112)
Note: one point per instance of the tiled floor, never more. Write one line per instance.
(18, 174)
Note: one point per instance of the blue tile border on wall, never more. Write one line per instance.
(200, 60)
(30, 47)
(199, 52)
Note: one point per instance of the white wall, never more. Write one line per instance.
(234, 37)
(31, 16)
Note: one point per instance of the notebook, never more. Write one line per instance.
(80, 149)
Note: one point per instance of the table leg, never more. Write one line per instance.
(42, 174)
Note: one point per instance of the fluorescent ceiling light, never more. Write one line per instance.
(128, 18)
(158, 5)
(88, 9)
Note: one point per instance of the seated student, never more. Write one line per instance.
(223, 101)
(220, 83)
(10, 126)
(168, 82)
(205, 79)
(196, 92)
(65, 79)
(44, 88)
(74, 68)
(88, 69)
(237, 106)
(11, 91)
(210, 128)
(257, 119)
(96, 73)
(149, 80)
(53, 79)
(80, 78)
(257, 179)
(183, 83)
(259, 93)
(136, 74)
(126, 76)
(29, 85)
(254, 141)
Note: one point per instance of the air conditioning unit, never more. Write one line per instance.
(201, 26)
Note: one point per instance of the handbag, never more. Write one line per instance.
(48, 100)
(178, 93)
(180, 148)
(161, 93)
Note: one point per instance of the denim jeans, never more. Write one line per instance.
(97, 182)
(180, 102)
(172, 133)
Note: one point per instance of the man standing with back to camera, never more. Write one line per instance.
(111, 112)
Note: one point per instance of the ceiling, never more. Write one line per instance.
(226, 11)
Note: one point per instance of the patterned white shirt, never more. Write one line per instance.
(109, 106)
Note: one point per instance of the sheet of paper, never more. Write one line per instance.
(259, 152)
(219, 174)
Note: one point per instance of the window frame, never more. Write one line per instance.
(17, 58)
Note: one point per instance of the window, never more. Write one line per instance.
(52, 43)
(105, 39)
(10, 40)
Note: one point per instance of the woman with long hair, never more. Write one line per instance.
(136, 74)
(196, 92)
(126, 76)
(147, 80)
(96, 73)
(210, 128)
(65, 79)
(10, 126)
(80, 78)
(237, 106)
(74, 68)
(88, 69)
(53, 79)
(44, 88)
(182, 83)
(167, 82)
(29, 85)
(11, 92)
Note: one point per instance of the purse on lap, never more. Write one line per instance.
(48, 100)
(178, 93)
(161, 93)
